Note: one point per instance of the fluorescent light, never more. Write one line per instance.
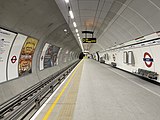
(76, 30)
(65, 30)
(67, 1)
(78, 34)
(71, 14)
(74, 24)
(81, 43)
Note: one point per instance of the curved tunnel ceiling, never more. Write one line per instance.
(113, 21)
(42, 20)
(39, 19)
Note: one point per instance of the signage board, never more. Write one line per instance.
(148, 59)
(89, 40)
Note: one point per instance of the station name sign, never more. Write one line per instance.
(89, 40)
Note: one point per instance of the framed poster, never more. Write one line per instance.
(50, 58)
(42, 56)
(6, 40)
(26, 56)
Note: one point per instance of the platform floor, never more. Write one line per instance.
(97, 91)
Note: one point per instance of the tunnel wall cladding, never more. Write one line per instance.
(44, 23)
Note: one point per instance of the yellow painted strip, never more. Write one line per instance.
(59, 96)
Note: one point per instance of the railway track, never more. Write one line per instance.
(30, 100)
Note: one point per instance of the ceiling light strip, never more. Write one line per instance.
(71, 14)
(81, 43)
(74, 24)
(76, 30)
(67, 1)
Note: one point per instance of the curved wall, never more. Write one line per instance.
(136, 18)
(40, 19)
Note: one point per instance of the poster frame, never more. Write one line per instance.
(6, 70)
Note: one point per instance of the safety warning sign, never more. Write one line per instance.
(148, 60)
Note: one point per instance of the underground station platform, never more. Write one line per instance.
(95, 91)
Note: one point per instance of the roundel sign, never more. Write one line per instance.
(13, 59)
(148, 60)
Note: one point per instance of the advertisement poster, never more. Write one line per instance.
(55, 55)
(42, 56)
(14, 56)
(25, 60)
(50, 58)
(65, 56)
(6, 41)
(58, 56)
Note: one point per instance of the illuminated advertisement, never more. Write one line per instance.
(6, 40)
(25, 60)
(50, 58)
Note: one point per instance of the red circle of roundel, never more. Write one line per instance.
(13, 59)
(148, 64)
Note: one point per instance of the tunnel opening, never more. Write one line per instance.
(81, 55)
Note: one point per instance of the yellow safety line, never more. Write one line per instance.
(59, 96)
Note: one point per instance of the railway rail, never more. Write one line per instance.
(18, 107)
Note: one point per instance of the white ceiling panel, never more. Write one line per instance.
(129, 26)
(138, 20)
(89, 15)
(88, 4)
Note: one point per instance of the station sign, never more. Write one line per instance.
(13, 59)
(147, 59)
(89, 40)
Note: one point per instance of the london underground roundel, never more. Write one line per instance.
(13, 59)
(148, 60)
